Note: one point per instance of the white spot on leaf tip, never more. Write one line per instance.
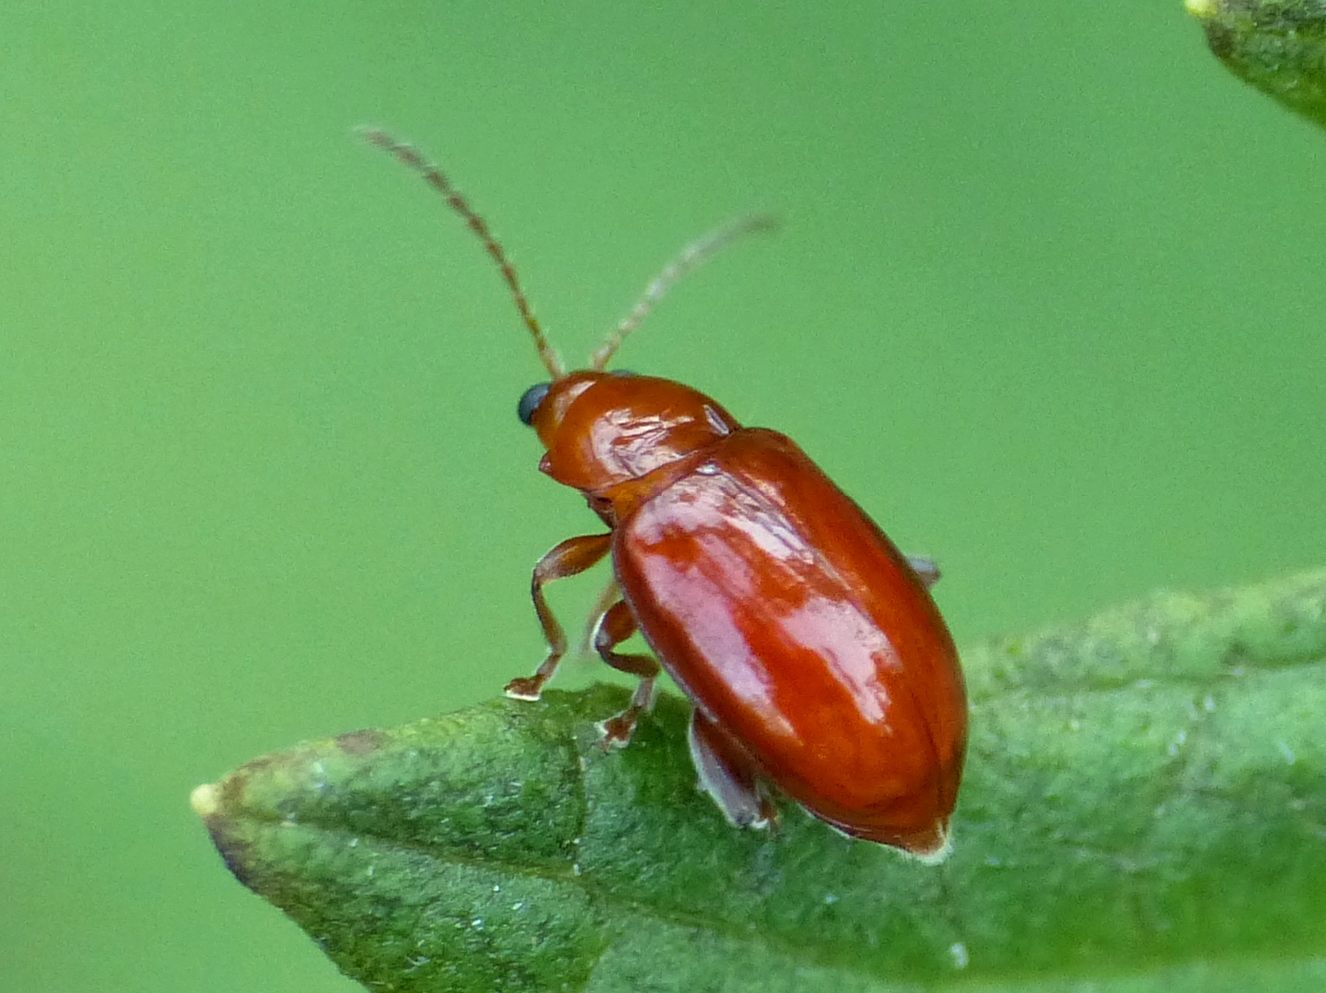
(958, 953)
(1286, 752)
(204, 800)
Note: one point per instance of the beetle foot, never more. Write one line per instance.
(616, 732)
(524, 688)
(926, 569)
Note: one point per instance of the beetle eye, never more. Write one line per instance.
(530, 400)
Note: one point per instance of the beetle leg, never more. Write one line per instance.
(615, 626)
(728, 775)
(609, 595)
(927, 569)
(572, 556)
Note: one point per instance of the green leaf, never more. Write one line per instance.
(1279, 46)
(1144, 810)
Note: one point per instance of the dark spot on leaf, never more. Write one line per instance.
(361, 742)
(260, 764)
(232, 788)
(235, 853)
(1220, 39)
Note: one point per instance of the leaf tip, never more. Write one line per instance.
(1202, 9)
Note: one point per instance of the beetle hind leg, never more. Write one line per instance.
(615, 626)
(729, 776)
(926, 569)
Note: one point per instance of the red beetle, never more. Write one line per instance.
(809, 645)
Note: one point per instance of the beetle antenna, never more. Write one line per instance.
(410, 156)
(694, 255)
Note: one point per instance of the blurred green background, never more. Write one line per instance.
(1049, 302)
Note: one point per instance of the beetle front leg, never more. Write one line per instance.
(615, 626)
(570, 557)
